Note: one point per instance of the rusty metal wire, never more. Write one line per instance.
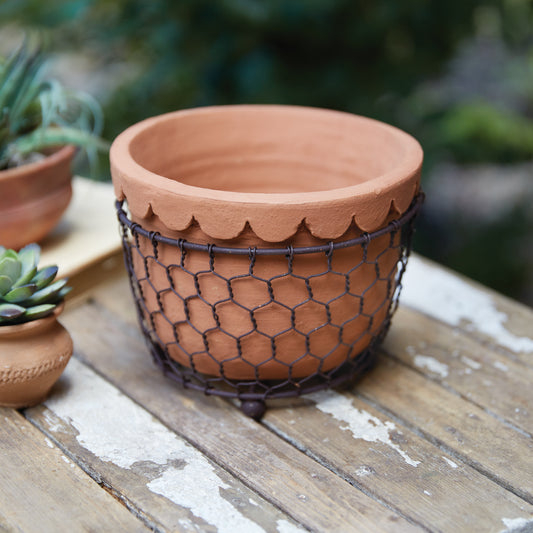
(215, 327)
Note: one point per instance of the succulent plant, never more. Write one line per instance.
(37, 113)
(26, 292)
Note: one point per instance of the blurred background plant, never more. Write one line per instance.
(458, 75)
(38, 113)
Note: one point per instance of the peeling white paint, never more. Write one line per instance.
(513, 524)
(500, 366)
(411, 350)
(363, 471)
(361, 424)
(444, 296)
(450, 462)
(284, 526)
(197, 487)
(186, 524)
(117, 430)
(432, 364)
(470, 362)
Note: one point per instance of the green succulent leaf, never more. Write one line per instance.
(26, 292)
(38, 311)
(62, 293)
(47, 294)
(10, 268)
(5, 284)
(25, 277)
(29, 257)
(20, 294)
(9, 253)
(44, 276)
(11, 311)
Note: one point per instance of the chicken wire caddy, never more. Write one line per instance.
(141, 247)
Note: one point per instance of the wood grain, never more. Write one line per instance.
(482, 314)
(426, 493)
(157, 474)
(307, 491)
(464, 430)
(412, 475)
(88, 232)
(42, 490)
(485, 377)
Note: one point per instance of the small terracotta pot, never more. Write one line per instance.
(33, 198)
(32, 357)
(265, 176)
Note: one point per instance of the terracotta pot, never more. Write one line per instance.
(265, 176)
(33, 198)
(32, 357)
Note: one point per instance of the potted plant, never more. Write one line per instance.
(263, 177)
(40, 124)
(34, 346)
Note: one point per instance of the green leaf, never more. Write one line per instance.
(9, 253)
(25, 277)
(29, 257)
(5, 284)
(47, 294)
(62, 293)
(43, 138)
(11, 311)
(10, 268)
(44, 276)
(38, 311)
(20, 294)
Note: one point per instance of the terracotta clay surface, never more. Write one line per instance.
(265, 176)
(33, 198)
(32, 357)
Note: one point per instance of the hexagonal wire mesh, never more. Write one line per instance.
(262, 323)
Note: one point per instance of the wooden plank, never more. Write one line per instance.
(370, 450)
(487, 378)
(88, 232)
(310, 493)
(388, 472)
(84, 282)
(461, 428)
(464, 304)
(156, 473)
(42, 490)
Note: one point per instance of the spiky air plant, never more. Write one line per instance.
(37, 113)
(27, 292)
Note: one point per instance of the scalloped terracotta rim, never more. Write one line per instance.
(326, 214)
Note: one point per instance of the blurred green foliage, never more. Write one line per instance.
(353, 55)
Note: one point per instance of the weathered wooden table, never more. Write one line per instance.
(437, 437)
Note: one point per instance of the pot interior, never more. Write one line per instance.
(268, 149)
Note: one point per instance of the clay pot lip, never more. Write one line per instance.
(33, 326)
(327, 213)
(55, 158)
(120, 150)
